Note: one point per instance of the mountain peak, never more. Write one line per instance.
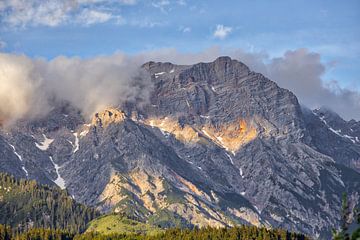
(108, 116)
(223, 59)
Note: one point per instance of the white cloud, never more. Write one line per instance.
(182, 2)
(184, 29)
(32, 12)
(89, 84)
(88, 17)
(128, 2)
(146, 23)
(20, 89)
(2, 44)
(23, 13)
(161, 4)
(222, 31)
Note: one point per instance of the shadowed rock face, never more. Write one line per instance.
(335, 137)
(217, 145)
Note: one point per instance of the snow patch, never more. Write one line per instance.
(222, 145)
(257, 209)
(165, 133)
(20, 158)
(172, 70)
(231, 160)
(158, 74)
(26, 172)
(219, 142)
(241, 172)
(84, 133)
(59, 180)
(18, 155)
(76, 143)
(207, 117)
(350, 137)
(243, 193)
(44, 145)
(338, 132)
(214, 90)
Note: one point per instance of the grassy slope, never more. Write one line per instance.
(110, 224)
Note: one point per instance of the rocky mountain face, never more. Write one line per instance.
(335, 137)
(217, 145)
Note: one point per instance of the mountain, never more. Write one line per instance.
(216, 145)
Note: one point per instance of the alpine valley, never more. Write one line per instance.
(217, 145)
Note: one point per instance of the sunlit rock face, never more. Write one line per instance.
(217, 144)
(107, 117)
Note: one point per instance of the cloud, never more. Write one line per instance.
(302, 72)
(89, 17)
(128, 2)
(184, 29)
(23, 13)
(89, 84)
(147, 23)
(182, 2)
(2, 44)
(96, 83)
(161, 4)
(20, 89)
(222, 31)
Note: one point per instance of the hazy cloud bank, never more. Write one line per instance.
(92, 84)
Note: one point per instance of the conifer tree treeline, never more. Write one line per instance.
(236, 233)
(24, 204)
(344, 233)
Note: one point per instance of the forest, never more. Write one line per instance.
(239, 233)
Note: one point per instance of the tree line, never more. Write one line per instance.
(24, 204)
(235, 233)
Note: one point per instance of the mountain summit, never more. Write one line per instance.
(216, 145)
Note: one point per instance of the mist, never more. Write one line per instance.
(21, 92)
(88, 84)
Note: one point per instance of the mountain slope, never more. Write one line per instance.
(217, 145)
(25, 204)
(334, 136)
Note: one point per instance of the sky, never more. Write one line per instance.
(324, 32)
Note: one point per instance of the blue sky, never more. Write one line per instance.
(88, 28)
